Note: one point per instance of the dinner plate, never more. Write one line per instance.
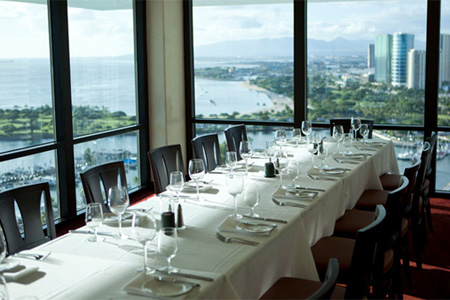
(165, 288)
(8, 264)
(254, 228)
(300, 194)
(332, 171)
(192, 188)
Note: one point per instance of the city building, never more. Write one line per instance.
(444, 73)
(371, 56)
(416, 69)
(382, 59)
(401, 44)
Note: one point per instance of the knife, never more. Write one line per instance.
(309, 189)
(91, 232)
(267, 219)
(187, 275)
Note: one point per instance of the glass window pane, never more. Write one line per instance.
(26, 115)
(121, 147)
(367, 59)
(444, 67)
(443, 162)
(243, 60)
(102, 65)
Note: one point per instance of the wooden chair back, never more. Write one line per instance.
(234, 135)
(327, 288)
(207, 147)
(163, 161)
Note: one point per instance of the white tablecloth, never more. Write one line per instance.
(77, 269)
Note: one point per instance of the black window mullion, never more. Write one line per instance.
(189, 75)
(300, 61)
(61, 88)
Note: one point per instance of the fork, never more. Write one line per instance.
(235, 240)
(344, 161)
(287, 203)
(322, 178)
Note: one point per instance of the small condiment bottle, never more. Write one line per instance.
(269, 169)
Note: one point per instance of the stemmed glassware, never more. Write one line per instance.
(196, 172)
(168, 246)
(94, 219)
(280, 137)
(118, 202)
(356, 124)
(322, 154)
(312, 148)
(3, 289)
(231, 160)
(338, 134)
(307, 129)
(293, 170)
(251, 198)
(280, 163)
(143, 230)
(347, 141)
(2, 246)
(176, 183)
(235, 186)
(297, 135)
(246, 150)
(364, 130)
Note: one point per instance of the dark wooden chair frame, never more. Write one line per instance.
(234, 135)
(207, 147)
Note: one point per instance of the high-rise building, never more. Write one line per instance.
(416, 69)
(444, 66)
(371, 56)
(383, 50)
(401, 44)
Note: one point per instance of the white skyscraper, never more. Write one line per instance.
(444, 65)
(416, 69)
(401, 44)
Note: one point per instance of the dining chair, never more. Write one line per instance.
(26, 230)
(355, 256)
(346, 124)
(234, 135)
(207, 147)
(387, 276)
(163, 161)
(98, 179)
(296, 288)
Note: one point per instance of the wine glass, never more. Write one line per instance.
(364, 131)
(118, 202)
(94, 219)
(356, 124)
(297, 135)
(338, 134)
(280, 163)
(2, 246)
(280, 137)
(347, 141)
(246, 150)
(322, 154)
(143, 230)
(307, 129)
(231, 160)
(196, 172)
(312, 148)
(176, 183)
(293, 170)
(168, 246)
(3, 289)
(235, 186)
(251, 198)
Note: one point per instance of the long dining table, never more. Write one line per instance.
(78, 269)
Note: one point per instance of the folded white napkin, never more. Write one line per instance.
(249, 228)
(353, 156)
(191, 187)
(293, 194)
(329, 171)
(12, 275)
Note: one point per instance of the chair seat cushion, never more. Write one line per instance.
(295, 288)
(390, 181)
(351, 222)
(388, 260)
(371, 198)
(405, 224)
(333, 247)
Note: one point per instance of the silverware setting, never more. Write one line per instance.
(35, 256)
(187, 275)
(173, 280)
(267, 219)
(288, 203)
(309, 189)
(258, 224)
(235, 240)
(321, 177)
(92, 232)
(346, 161)
(365, 148)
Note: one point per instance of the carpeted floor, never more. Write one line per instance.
(433, 281)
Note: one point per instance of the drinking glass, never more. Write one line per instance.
(94, 219)
(196, 172)
(297, 135)
(143, 230)
(356, 124)
(347, 141)
(269, 147)
(231, 160)
(246, 150)
(293, 170)
(338, 134)
(280, 137)
(3, 289)
(168, 246)
(280, 163)
(235, 186)
(307, 129)
(2, 246)
(176, 183)
(251, 198)
(312, 148)
(322, 154)
(364, 130)
(118, 202)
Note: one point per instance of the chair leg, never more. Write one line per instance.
(428, 214)
(405, 258)
(417, 241)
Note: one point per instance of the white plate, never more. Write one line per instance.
(300, 194)
(332, 171)
(8, 264)
(254, 228)
(145, 285)
(192, 188)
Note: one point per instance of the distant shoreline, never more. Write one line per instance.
(279, 102)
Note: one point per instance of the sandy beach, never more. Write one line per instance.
(279, 102)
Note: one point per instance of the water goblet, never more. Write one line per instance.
(280, 163)
(322, 154)
(356, 124)
(196, 172)
(94, 219)
(293, 170)
(251, 198)
(235, 186)
(338, 134)
(231, 160)
(3, 289)
(364, 131)
(143, 230)
(312, 148)
(118, 202)
(307, 129)
(297, 135)
(280, 137)
(176, 183)
(168, 246)
(347, 142)
(2, 246)
(246, 150)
